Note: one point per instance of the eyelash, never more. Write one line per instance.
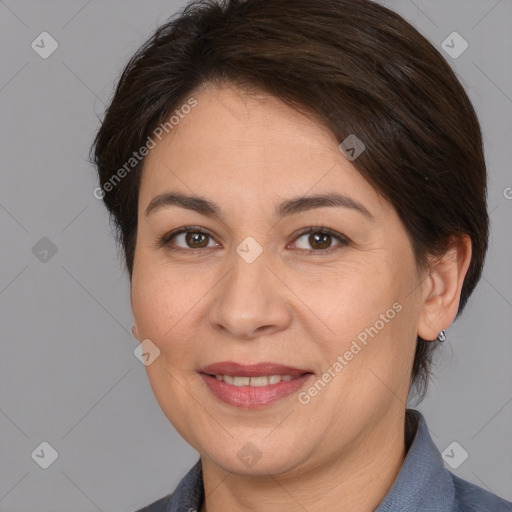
(164, 241)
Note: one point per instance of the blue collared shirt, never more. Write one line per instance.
(422, 485)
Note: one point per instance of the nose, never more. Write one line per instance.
(250, 301)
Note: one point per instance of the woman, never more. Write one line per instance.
(299, 190)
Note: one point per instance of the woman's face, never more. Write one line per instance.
(247, 285)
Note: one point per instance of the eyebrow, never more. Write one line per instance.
(289, 207)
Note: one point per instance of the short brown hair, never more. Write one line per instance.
(356, 66)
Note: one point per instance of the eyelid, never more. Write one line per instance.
(166, 238)
(324, 230)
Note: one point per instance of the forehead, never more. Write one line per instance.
(233, 144)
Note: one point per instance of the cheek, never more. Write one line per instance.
(163, 304)
(366, 305)
(348, 298)
(164, 309)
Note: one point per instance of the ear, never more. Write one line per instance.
(135, 331)
(442, 288)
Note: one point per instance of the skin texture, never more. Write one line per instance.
(343, 449)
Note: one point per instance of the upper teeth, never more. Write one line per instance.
(253, 381)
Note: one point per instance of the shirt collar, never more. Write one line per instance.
(423, 483)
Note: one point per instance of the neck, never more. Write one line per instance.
(354, 480)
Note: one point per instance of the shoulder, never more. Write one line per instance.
(472, 498)
(158, 505)
(187, 496)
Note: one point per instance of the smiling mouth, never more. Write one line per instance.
(251, 397)
(253, 386)
(264, 369)
(259, 381)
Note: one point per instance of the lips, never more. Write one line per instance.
(253, 397)
(253, 370)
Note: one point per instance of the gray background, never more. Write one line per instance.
(68, 375)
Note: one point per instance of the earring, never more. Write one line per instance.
(441, 336)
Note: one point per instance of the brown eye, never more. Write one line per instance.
(187, 238)
(320, 239)
(196, 240)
